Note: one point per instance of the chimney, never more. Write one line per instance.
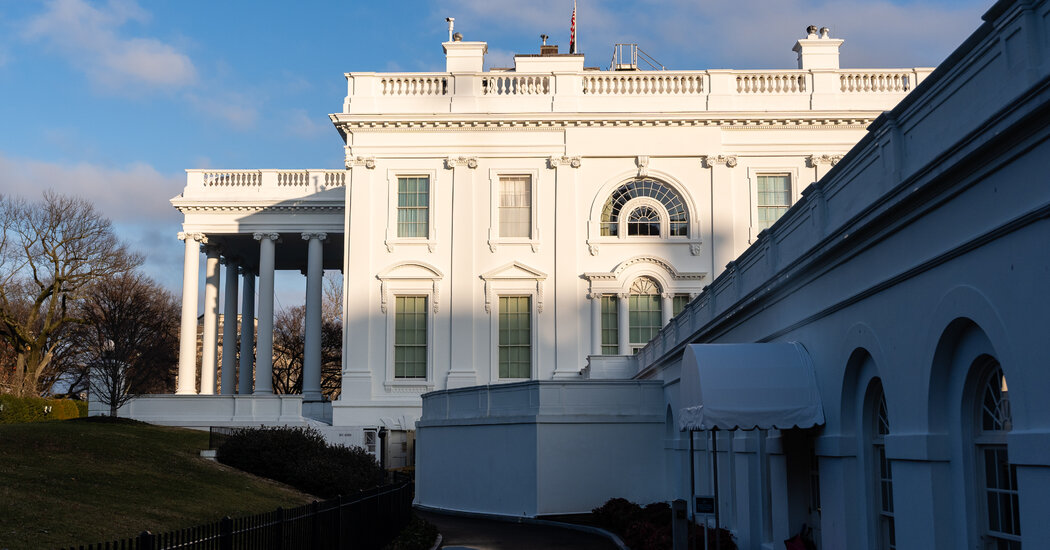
(818, 51)
(464, 57)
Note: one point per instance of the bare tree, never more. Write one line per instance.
(128, 339)
(50, 252)
(289, 340)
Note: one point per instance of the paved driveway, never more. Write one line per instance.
(485, 534)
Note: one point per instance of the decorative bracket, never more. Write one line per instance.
(711, 160)
(367, 162)
(643, 165)
(469, 162)
(815, 160)
(554, 162)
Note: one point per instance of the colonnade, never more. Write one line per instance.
(237, 375)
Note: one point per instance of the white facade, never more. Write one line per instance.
(544, 149)
(914, 277)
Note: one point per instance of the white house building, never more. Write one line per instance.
(874, 364)
(502, 226)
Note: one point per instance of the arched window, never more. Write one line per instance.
(882, 482)
(998, 496)
(644, 220)
(645, 314)
(644, 217)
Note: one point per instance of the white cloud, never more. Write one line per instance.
(235, 108)
(136, 193)
(92, 39)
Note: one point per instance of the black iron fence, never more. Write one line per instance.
(367, 521)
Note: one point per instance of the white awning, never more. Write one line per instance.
(746, 386)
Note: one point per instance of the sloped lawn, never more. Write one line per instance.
(84, 481)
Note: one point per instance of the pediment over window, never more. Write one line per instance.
(670, 279)
(514, 270)
(514, 277)
(415, 276)
(410, 270)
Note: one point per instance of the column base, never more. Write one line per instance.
(461, 379)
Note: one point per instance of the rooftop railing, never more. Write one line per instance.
(629, 91)
(260, 184)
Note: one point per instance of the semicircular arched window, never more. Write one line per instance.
(643, 217)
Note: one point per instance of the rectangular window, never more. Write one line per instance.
(678, 303)
(610, 326)
(774, 198)
(410, 337)
(515, 337)
(413, 207)
(645, 317)
(515, 207)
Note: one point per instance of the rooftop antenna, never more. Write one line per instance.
(451, 21)
(544, 38)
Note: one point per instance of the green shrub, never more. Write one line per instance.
(82, 407)
(303, 459)
(17, 410)
(419, 534)
(63, 409)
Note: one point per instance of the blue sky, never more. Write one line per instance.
(112, 100)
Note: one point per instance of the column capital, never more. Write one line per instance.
(469, 162)
(231, 261)
(243, 270)
(596, 295)
(318, 235)
(623, 295)
(273, 236)
(199, 237)
(554, 162)
(711, 160)
(667, 295)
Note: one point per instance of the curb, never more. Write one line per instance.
(532, 521)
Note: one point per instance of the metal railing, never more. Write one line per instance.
(367, 521)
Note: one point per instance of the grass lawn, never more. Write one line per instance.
(79, 481)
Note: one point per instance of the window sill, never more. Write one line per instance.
(391, 243)
(496, 243)
(408, 385)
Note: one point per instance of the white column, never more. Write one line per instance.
(264, 347)
(596, 324)
(623, 323)
(312, 344)
(187, 381)
(210, 337)
(247, 362)
(666, 307)
(229, 330)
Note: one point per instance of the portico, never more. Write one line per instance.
(293, 222)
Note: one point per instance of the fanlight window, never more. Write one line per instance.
(644, 220)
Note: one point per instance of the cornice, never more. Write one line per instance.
(254, 208)
(762, 121)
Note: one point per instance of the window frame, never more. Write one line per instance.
(990, 440)
(393, 193)
(694, 231)
(532, 339)
(753, 174)
(495, 240)
(426, 344)
(408, 278)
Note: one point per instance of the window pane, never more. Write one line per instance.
(413, 207)
(515, 337)
(644, 311)
(515, 206)
(774, 198)
(410, 337)
(610, 326)
(678, 222)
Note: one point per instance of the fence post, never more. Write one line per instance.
(315, 526)
(146, 541)
(339, 539)
(278, 529)
(226, 533)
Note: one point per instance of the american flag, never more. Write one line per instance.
(572, 30)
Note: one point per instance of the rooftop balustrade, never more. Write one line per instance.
(629, 91)
(260, 185)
